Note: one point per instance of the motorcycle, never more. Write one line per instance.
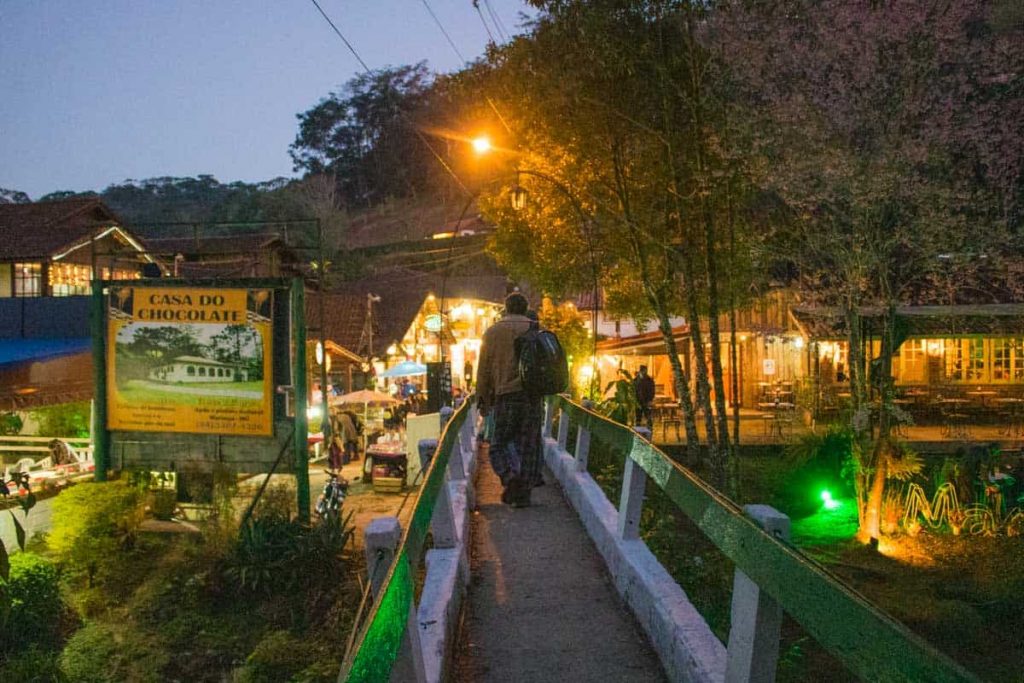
(330, 501)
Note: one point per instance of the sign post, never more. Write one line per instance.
(100, 435)
(299, 382)
(187, 372)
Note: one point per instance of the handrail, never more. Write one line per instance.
(868, 641)
(376, 646)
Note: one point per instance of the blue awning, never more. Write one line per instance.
(406, 368)
(14, 351)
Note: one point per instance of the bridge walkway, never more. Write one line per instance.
(541, 606)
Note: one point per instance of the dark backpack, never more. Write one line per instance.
(543, 368)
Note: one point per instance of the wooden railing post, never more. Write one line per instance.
(631, 504)
(549, 416)
(563, 428)
(753, 650)
(583, 441)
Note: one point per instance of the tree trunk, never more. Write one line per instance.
(681, 379)
(714, 332)
(884, 447)
(703, 388)
(871, 518)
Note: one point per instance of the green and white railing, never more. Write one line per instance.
(396, 624)
(771, 575)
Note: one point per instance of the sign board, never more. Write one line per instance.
(439, 386)
(190, 360)
(768, 366)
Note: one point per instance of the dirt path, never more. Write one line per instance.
(540, 605)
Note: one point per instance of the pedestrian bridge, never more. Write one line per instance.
(568, 591)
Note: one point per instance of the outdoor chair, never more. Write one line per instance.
(670, 420)
(956, 425)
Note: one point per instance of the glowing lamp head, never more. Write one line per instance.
(482, 144)
(828, 502)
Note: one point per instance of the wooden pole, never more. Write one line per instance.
(100, 435)
(298, 314)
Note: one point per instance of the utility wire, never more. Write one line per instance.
(497, 22)
(401, 114)
(444, 31)
(340, 35)
(476, 5)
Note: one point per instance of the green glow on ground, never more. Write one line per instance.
(828, 525)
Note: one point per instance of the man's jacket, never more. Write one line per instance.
(498, 373)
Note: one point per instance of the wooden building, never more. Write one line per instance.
(56, 248)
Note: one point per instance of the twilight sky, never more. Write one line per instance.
(93, 92)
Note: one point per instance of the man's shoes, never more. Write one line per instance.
(520, 493)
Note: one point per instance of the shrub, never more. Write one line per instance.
(35, 604)
(98, 653)
(259, 562)
(92, 522)
(89, 655)
(278, 657)
(65, 420)
(33, 665)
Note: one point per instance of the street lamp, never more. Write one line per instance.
(519, 196)
(482, 144)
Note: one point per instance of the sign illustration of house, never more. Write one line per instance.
(196, 369)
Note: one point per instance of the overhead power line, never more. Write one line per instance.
(444, 31)
(498, 26)
(340, 35)
(402, 114)
(476, 5)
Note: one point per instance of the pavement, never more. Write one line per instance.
(541, 606)
(39, 519)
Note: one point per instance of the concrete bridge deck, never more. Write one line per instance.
(540, 605)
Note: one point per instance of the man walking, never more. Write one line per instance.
(515, 445)
(643, 387)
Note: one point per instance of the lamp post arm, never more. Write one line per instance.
(588, 234)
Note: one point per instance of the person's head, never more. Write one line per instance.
(516, 304)
(643, 370)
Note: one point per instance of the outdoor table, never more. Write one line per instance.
(776, 406)
(391, 453)
(984, 395)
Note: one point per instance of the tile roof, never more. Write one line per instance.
(40, 229)
(345, 315)
(402, 293)
(920, 321)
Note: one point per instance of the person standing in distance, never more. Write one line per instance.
(515, 445)
(643, 387)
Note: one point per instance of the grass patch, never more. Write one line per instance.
(137, 391)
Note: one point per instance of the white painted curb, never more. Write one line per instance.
(688, 649)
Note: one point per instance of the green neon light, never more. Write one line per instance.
(828, 502)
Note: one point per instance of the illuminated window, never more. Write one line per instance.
(1007, 360)
(966, 360)
(69, 279)
(28, 279)
(976, 361)
(913, 361)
